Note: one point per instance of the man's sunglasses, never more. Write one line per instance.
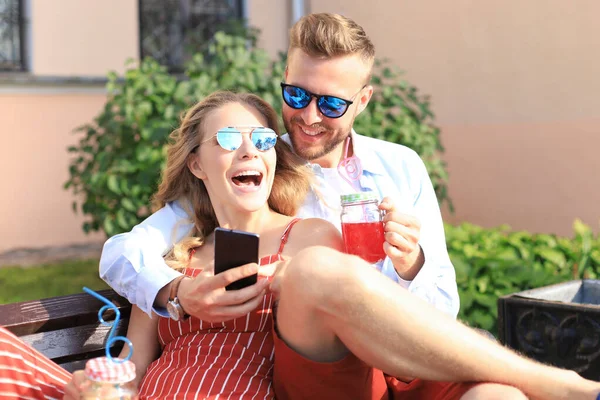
(330, 106)
(230, 138)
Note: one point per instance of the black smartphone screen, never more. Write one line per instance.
(233, 249)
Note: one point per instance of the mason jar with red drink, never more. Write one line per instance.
(362, 226)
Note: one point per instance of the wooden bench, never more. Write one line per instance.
(66, 329)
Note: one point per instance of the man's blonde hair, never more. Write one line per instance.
(327, 35)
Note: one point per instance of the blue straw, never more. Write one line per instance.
(111, 339)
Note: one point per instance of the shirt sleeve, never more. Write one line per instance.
(436, 281)
(132, 263)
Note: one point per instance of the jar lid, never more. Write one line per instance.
(358, 197)
(102, 369)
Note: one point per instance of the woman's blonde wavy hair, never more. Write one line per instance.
(291, 183)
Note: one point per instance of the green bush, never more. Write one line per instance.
(490, 263)
(116, 164)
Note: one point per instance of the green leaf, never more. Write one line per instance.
(551, 255)
(466, 300)
(483, 320)
(122, 219)
(581, 229)
(109, 226)
(128, 204)
(113, 184)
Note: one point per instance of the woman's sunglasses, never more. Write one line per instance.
(330, 106)
(230, 138)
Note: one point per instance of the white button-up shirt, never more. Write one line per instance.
(132, 263)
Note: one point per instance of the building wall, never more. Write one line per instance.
(273, 18)
(68, 38)
(515, 91)
(36, 131)
(83, 38)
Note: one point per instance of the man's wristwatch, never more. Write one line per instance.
(174, 308)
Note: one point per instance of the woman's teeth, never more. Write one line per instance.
(247, 178)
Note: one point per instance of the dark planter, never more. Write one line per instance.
(557, 324)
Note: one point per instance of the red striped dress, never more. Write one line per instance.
(27, 374)
(204, 360)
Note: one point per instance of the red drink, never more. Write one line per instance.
(364, 239)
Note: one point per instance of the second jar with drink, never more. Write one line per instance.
(362, 226)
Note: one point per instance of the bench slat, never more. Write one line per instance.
(58, 312)
(66, 329)
(72, 341)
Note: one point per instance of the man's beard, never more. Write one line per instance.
(333, 139)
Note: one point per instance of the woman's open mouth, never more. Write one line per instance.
(247, 178)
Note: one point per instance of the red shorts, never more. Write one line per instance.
(296, 377)
(427, 390)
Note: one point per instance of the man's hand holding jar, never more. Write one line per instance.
(372, 231)
(402, 233)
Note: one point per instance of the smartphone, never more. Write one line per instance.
(233, 249)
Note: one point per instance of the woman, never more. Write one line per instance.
(335, 316)
(235, 179)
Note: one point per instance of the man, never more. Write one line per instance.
(332, 66)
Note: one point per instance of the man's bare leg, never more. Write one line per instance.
(332, 303)
(493, 391)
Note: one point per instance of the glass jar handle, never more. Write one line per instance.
(382, 213)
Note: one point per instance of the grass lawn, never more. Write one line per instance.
(48, 280)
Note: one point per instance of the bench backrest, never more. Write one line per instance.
(66, 329)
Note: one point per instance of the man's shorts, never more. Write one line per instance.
(297, 378)
(426, 390)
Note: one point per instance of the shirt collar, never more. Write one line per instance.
(361, 147)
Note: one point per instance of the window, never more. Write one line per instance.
(172, 30)
(12, 43)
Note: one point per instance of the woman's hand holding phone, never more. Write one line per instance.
(232, 290)
(205, 296)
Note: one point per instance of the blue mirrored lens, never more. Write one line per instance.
(296, 97)
(264, 138)
(229, 138)
(332, 106)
